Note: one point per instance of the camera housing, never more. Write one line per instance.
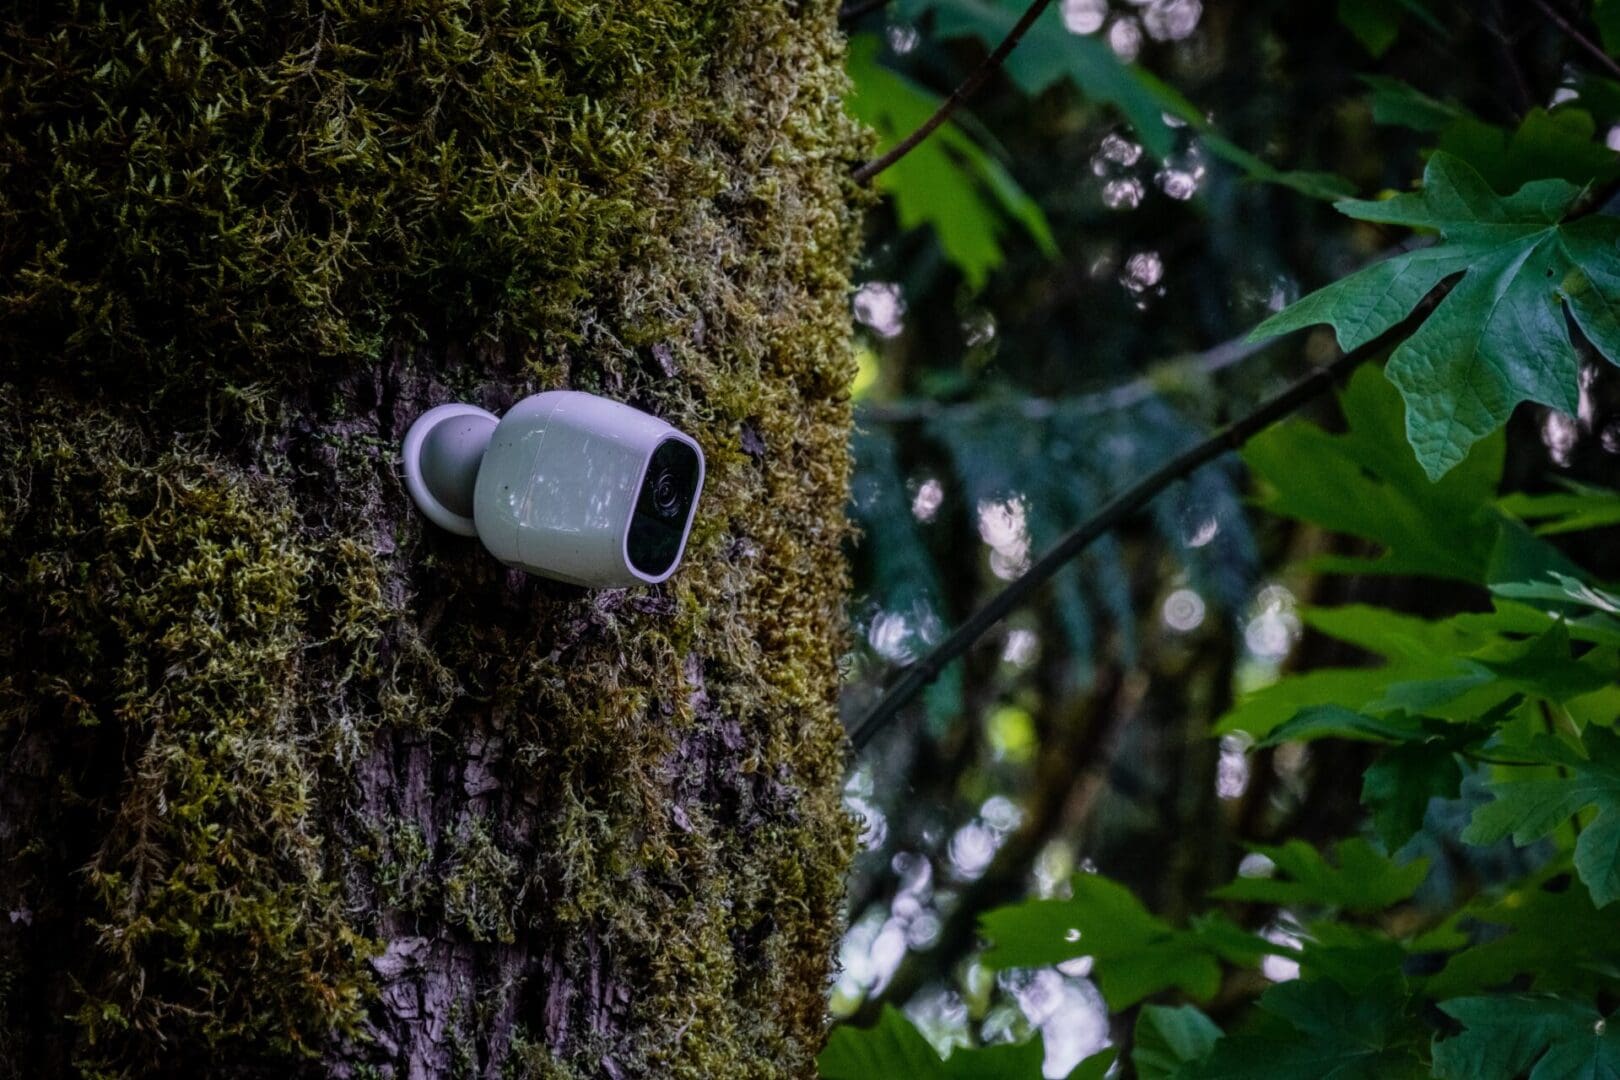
(567, 484)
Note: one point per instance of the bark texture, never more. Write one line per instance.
(291, 783)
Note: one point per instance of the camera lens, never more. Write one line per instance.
(666, 494)
(663, 507)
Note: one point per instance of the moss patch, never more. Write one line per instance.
(160, 603)
(218, 188)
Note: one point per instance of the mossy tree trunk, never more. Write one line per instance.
(292, 783)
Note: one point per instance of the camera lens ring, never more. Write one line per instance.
(666, 494)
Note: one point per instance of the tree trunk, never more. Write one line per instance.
(292, 783)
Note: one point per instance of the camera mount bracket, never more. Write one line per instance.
(442, 452)
(609, 504)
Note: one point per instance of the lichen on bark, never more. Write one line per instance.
(289, 782)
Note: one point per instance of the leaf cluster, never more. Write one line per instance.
(1516, 704)
(1489, 731)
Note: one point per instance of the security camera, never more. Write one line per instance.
(566, 484)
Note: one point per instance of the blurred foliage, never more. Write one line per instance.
(1049, 55)
(1377, 23)
(894, 1048)
(1328, 787)
(948, 182)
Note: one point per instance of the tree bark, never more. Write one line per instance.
(292, 783)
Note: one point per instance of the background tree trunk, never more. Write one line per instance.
(292, 783)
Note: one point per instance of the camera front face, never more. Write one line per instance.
(663, 513)
(587, 490)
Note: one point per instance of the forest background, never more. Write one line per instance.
(1304, 771)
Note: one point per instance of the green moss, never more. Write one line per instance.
(228, 187)
(171, 593)
(481, 886)
(532, 1060)
(239, 246)
(404, 876)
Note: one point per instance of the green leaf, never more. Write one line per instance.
(1315, 185)
(1468, 685)
(1511, 617)
(1421, 653)
(1095, 1066)
(893, 1049)
(1375, 23)
(1453, 669)
(1595, 93)
(1233, 944)
(1557, 144)
(1362, 881)
(1562, 589)
(1499, 337)
(1519, 555)
(1168, 1038)
(1315, 1030)
(1359, 960)
(1262, 711)
(1528, 808)
(1049, 54)
(1543, 666)
(1398, 787)
(1606, 13)
(1394, 635)
(948, 183)
(1400, 104)
(1505, 1035)
(1135, 954)
(1576, 510)
(1420, 10)
(1452, 689)
(1367, 483)
(1338, 722)
(1555, 939)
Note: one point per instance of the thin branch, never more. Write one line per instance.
(1120, 508)
(967, 89)
(1113, 399)
(856, 9)
(1604, 60)
(1509, 43)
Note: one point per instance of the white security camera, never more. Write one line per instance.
(566, 484)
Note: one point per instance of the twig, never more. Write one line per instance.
(1117, 510)
(856, 9)
(967, 89)
(1604, 59)
(1121, 396)
(1508, 42)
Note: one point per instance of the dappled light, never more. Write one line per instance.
(1138, 790)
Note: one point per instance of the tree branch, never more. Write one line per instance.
(1603, 59)
(1120, 396)
(1117, 510)
(967, 89)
